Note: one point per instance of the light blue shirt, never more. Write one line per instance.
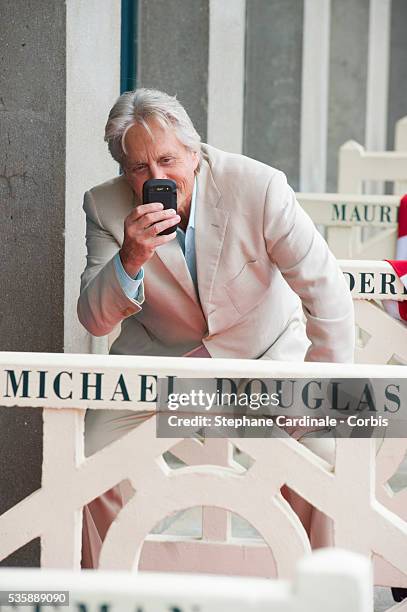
(186, 241)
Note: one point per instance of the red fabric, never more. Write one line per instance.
(399, 265)
(403, 217)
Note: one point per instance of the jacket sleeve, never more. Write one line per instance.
(102, 302)
(311, 270)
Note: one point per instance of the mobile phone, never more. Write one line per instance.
(164, 191)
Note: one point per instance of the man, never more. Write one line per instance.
(232, 277)
(232, 281)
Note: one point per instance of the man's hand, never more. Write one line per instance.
(141, 227)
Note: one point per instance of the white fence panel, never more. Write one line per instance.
(329, 579)
(364, 521)
(357, 169)
(382, 338)
(357, 165)
(341, 214)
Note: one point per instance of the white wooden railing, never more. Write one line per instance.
(368, 518)
(327, 580)
(352, 220)
(357, 165)
(372, 282)
(340, 214)
(359, 227)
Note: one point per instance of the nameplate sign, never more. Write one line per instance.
(349, 211)
(372, 280)
(130, 382)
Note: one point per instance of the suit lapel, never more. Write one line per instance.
(173, 259)
(210, 226)
(211, 221)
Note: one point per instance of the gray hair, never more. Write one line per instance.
(138, 107)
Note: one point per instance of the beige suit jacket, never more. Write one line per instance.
(258, 257)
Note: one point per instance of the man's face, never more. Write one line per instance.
(161, 156)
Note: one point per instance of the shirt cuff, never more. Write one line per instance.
(130, 286)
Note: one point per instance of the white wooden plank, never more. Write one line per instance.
(314, 95)
(226, 74)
